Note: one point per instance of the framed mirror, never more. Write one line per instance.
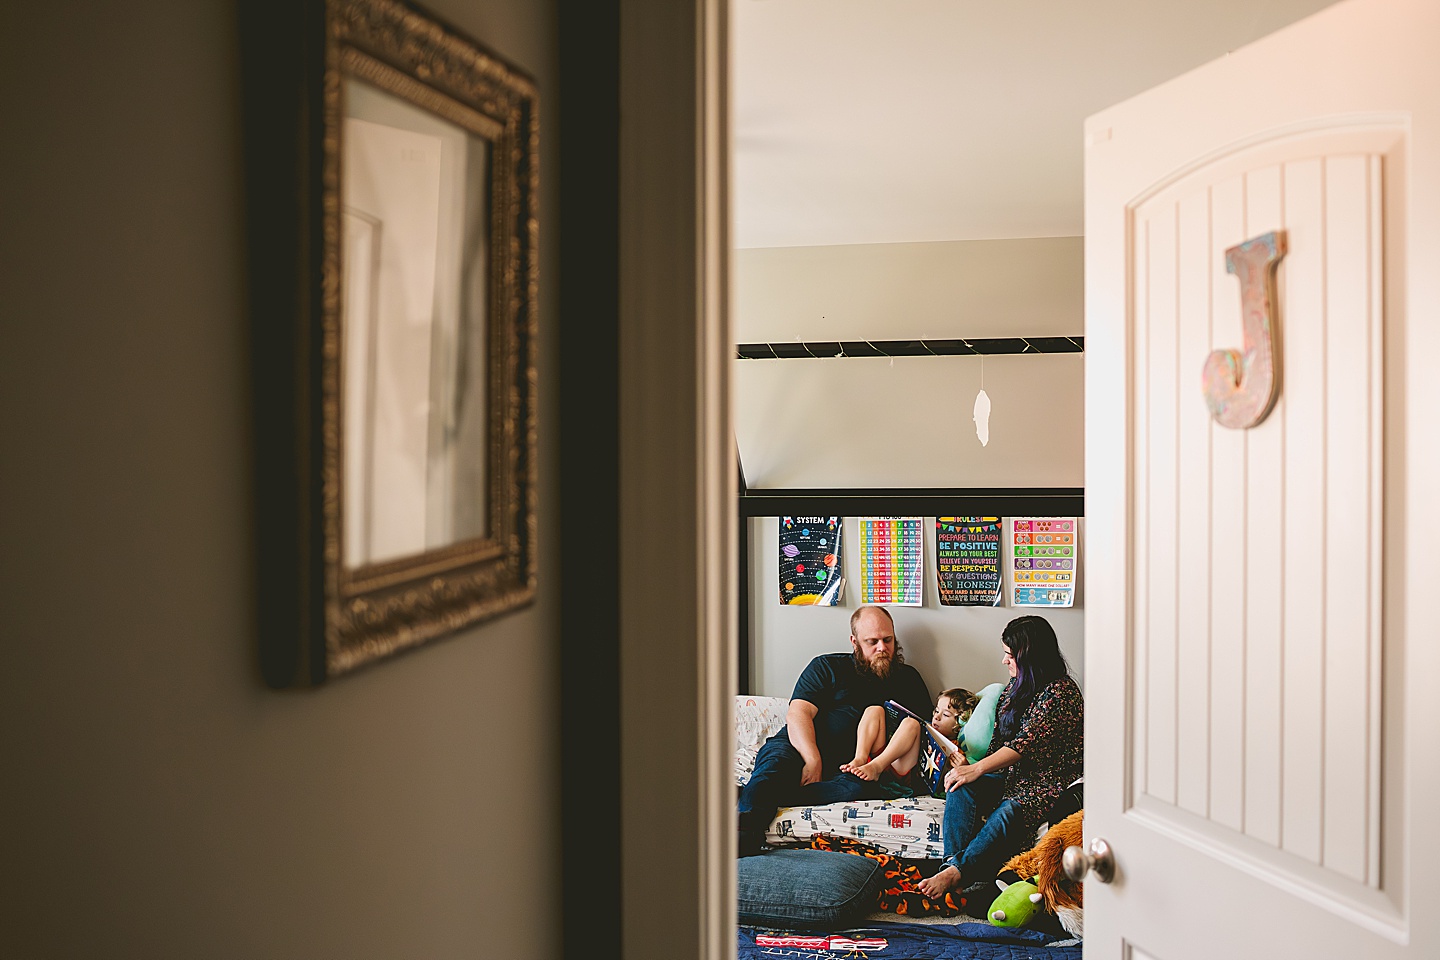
(411, 427)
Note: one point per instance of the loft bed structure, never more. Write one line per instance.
(843, 409)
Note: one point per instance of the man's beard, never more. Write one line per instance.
(880, 667)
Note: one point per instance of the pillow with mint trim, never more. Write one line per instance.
(975, 736)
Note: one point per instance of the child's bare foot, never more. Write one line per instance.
(868, 771)
(942, 883)
(859, 761)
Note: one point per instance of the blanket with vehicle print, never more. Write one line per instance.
(908, 827)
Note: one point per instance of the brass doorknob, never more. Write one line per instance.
(1098, 860)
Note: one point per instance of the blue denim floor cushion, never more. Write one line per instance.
(807, 889)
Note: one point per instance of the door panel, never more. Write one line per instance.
(1193, 450)
(1213, 599)
(1302, 694)
(1259, 652)
(1224, 216)
(1161, 362)
(1264, 564)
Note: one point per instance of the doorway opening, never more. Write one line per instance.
(909, 311)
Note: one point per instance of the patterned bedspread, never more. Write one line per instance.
(908, 828)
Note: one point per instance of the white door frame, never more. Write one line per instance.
(677, 484)
(677, 545)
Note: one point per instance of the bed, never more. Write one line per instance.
(905, 828)
(908, 827)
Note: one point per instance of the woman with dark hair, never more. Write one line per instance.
(1037, 752)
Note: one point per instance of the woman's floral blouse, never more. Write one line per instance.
(1051, 744)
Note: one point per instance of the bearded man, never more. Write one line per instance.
(801, 763)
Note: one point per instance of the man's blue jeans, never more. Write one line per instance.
(978, 850)
(776, 783)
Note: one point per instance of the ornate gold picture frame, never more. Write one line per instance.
(396, 469)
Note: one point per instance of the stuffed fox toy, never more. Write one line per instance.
(1063, 897)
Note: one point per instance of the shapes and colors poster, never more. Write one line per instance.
(810, 570)
(1043, 559)
(890, 560)
(967, 560)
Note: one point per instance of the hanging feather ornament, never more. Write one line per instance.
(982, 409)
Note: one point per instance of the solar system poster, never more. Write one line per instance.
(967, 561)
(1043, 561)
(810, 570)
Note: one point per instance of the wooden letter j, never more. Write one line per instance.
(1241, 388)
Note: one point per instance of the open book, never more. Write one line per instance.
(946, 745)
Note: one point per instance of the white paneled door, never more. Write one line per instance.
(1263, 698)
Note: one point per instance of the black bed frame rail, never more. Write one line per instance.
(917, 501)
(972, 347)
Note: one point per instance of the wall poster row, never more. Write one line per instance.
(1040, 555)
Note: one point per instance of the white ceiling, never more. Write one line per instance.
(884, 121)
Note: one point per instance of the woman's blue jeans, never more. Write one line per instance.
(979, 849)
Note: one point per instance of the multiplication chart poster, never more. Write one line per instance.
(810, 569)
(1042, 561)
(891, 549)
(967, 560)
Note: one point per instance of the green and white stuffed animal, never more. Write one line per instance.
(1016, 904)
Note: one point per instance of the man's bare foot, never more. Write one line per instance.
(859, 761)
(942, 883)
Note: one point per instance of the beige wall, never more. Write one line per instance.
(815, 422)
(950, 646)
(909, 422)
(900, 291)
(158, 801)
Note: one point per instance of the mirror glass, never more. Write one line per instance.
(415, 215)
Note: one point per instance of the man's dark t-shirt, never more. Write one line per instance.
(841, 693)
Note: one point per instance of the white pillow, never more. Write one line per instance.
(757, 719)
